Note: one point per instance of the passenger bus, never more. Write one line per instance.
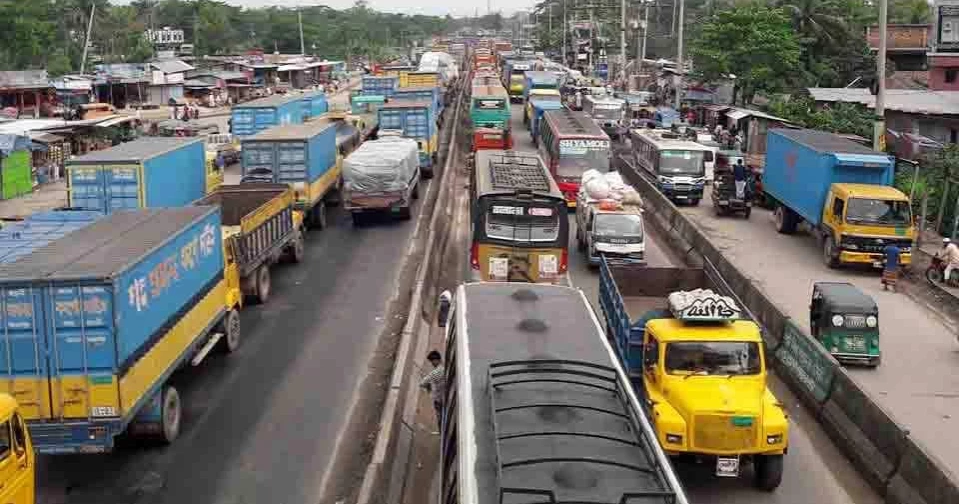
(518, 215)
(489, 106)
(677, 167)
(539, 408)
(572, 143)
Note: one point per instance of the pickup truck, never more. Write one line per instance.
(843, 190)
(260, 226)
(701, 368)
(610, 229)
(381, 175)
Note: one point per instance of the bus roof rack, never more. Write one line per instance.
(513, 170)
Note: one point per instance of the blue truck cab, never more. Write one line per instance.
(417, 121)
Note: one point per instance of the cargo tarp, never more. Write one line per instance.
(381, 165)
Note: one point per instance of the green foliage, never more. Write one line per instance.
(849, 118)
(934, 171)
(753, 42)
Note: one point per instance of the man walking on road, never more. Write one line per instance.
(435, 383)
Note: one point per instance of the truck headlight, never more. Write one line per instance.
(674, 439)
(665, 180)
(837, 320)
(774, 438)
(872, 321)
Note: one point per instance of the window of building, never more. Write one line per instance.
(951, 75)
(953, 136)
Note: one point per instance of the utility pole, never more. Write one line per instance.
(565, 32)
(622, 40)
(592, 37)
(645, 26)
(879, 131)
(86, 40)
(299, 17)
(679, 56)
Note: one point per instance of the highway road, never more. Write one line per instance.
(815, 470)
(261, 425)
(917, 380)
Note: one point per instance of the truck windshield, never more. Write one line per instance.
(674, 162)
(878, 212)
(572, 165)
(713, 358)
(618, 226)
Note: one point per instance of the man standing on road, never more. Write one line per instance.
(435, 383)
(739, 176)
(951, 257)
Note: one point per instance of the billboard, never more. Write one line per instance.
(164, 36)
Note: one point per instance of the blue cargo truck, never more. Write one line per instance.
(843, 190)
(96, 323)
(315, 104)
(539, 108)
(416, 120)
(428, 94)
(302, 156)
(379, 85)
(255, 116)
(149, 172)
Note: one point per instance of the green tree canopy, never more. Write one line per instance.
(753, 42)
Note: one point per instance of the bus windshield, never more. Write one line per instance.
(510, 220)
(674, 162)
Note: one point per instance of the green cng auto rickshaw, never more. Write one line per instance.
(845, 321)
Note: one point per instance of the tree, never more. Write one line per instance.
(847, 118)
(753, 42)
(909, 11)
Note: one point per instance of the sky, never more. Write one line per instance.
(429, 7)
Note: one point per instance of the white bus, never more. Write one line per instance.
(677, 166)
(539, 408)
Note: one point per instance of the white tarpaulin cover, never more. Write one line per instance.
(598, 186)
(381, 165)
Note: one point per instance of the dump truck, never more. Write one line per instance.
(122, 303)
(845, 192)
(260, 227)
(382, 175)
(149, 172)
(300, 155)
(700, 366)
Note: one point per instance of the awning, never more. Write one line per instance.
(715, 108)
(115, 121)
(46, 138)
(736, 115)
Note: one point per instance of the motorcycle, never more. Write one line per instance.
(936, 271)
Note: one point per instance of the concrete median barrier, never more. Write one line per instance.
(894, 464)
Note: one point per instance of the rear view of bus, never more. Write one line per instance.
(520, 230)
(571, 143)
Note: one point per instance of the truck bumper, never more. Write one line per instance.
(870, 258)
(682, 195)
(81, 436)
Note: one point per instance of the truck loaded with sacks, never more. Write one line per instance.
(609, 220)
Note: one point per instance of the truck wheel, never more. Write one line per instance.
(694, 202)
(747, 212)
(170, 415)
(416, 192)
(263, 284)
(405, 213)
(829, 256)
(298, 250)
(768, 471)
(785, 222)
(230, 327)
(319, 216)
(357, 218)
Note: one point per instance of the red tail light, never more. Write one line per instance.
(564, 261)
(474, 256)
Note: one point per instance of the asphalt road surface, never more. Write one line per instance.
(815, 470)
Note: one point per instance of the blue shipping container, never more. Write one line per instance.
(20, 238)
(85, 312)
(253, 117)
(431, 95)
(314, 105)
(295, 154)
(149, 172)
(417, 121)
(802, 164)
(379, 85)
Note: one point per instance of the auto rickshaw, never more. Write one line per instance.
(845, 321)
(723, 192)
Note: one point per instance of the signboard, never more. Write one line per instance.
(948, 27)
(703, 305)
(580, 146)
(511, 210)
(164, 36)
(808, 363)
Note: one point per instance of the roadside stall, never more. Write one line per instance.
(48, 161)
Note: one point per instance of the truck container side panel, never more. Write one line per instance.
(291, 160)
(176, 178)
(259, 155)
(123, 187)
(856, 173)
(23, 351)
(242, 121)
(796, 176)
(87, 187)
(80, 327)
(264, 118)
(165, 283)
(322, 154)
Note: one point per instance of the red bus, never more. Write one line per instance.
(571, 143)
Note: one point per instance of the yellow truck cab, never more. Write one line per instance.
(701, 368)
(17, 460)
(854, 228)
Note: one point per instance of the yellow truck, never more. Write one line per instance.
(17, 460)
(700, 367)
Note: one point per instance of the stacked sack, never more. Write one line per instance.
(597, 186)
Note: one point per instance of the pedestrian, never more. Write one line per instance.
(446, 299)
(435, 383)
(890, 269)
(951, 257)
(718, 133)
(739, 176)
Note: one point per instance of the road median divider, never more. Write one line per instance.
(893, 463)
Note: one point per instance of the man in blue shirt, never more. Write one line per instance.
(739, 176)
(890, 270)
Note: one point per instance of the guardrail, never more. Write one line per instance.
(897, 466)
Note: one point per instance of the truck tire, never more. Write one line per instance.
(298, 248)
(768, 471)
(747, 212)
(170, 415)
(785, 220)
(829, 256)
(405, 213)
(263, 284)
(357, 218)
(230, 328)
(415, 194)
(318, 216)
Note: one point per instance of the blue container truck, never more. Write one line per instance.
(38, 229)
(539, 108)
(255, 116)
(843, 190)
(149, 172)
(315, 104)
(379, 85)
(429, 94)
(302, 156)
(416, 121)
(96, 323)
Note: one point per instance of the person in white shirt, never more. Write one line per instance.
(951, 256)
(435, 383)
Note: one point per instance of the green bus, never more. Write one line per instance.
(489, 106)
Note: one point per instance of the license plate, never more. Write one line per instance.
(877, 264)
(498, 267)
(856, 343)
(103, 411)
(723, 202)
(679, 196)
(548, 264)
(727, 467)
